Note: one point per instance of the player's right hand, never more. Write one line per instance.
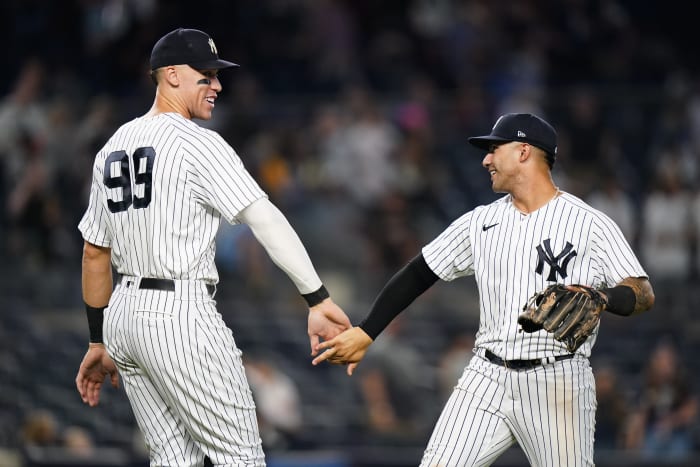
(96, 365)
(348, 348)
(326, 320)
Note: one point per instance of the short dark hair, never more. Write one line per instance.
(153, 74)
(550, 159)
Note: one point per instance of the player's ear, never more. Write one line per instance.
(525, 151)
(170, 74)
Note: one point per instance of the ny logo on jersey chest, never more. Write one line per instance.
(557, 263)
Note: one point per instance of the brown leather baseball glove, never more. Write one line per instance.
(571, 313)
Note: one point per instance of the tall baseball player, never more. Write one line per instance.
(160, 188)
(529, 384)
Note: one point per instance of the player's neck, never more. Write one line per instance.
(530, 199)
(164, 104)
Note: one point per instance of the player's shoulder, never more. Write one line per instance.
(192, 137)
(497, 205)
(573, 202)
(187, 127)
(483, 211)
(171, 124)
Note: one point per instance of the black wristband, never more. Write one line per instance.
(314, 298)
(621, 300)
(95, 317)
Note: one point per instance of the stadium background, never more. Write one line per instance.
(354, 117)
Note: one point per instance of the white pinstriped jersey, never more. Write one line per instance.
(186, 176)
(513, 255)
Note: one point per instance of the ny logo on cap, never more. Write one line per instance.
(521, 134)
(212, 46)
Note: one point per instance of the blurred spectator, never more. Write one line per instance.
(613, 409)
(665, 235)
(397, 387)
(662, 426)
(332, 40)
(362, 166)
(418, 178)
(278, 403)
(23, 124)
(240, 114)
(23, 116)
(275, 156)
(695, 231)
(40, 429)
(584, 128)
(90, 133)
(29, 205)
(78, 443)
(327, 138)
(239, 254)
(391, 237)
(610, 198)
(453, 360)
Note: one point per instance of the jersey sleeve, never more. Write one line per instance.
(449, 255)
(222, 180)
(94, 225)
(614, 253)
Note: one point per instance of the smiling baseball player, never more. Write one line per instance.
(160, 188)
(530, 385)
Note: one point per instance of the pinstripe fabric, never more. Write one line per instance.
(548, 411)
(196, 179)
(160, 188)
(504, 259)
(183, 374)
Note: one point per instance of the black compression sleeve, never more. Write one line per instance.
(621, 300)
(404, 287)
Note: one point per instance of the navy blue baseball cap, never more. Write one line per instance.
(187, 47)
(523, 127)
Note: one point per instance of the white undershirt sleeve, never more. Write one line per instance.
(282, 243)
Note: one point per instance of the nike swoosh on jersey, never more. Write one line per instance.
(487, 227)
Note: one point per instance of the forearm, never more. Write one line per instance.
(282, 244)
(96, 275)
(401, 290)
(630, 296)
(97, 287)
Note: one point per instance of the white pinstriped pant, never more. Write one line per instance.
(183, 375)
(549, 411)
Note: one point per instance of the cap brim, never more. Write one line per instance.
(212, 65)
(483, 142)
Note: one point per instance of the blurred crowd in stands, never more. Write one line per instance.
(353, 115)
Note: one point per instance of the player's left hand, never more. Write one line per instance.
(348, 348)
(96, 365)
(326, 320)
(570, 312)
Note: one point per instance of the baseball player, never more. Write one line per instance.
(160, 188)
(520, 387)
